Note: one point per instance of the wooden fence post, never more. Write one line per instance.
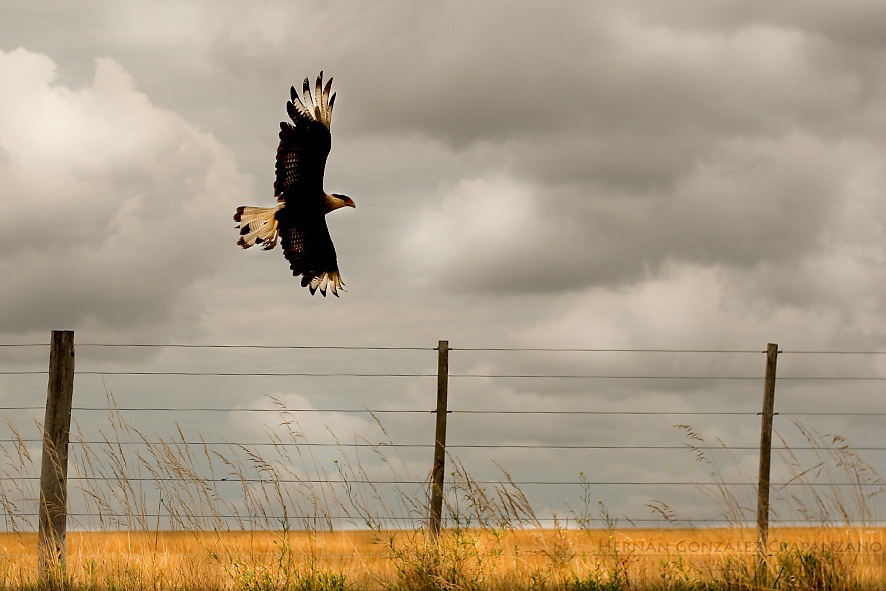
(54, 464)
(765, 461)
(436, 513)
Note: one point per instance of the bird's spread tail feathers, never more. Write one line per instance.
(258, 225)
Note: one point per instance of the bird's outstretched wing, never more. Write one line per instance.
(309, 250)
(304, 144)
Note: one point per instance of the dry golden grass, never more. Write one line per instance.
(464, 559)
(231, 541)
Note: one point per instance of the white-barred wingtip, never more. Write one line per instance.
(323, 281)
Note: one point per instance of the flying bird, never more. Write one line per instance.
(299, 218)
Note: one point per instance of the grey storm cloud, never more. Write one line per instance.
(503, 151)
(599, 175)
(111, 194)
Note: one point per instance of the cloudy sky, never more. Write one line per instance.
(585, 175)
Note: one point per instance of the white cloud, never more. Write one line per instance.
(116, 206)
(679, 306)
(477, 222)
(575, 174)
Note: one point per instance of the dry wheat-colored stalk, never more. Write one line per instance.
(274, 526)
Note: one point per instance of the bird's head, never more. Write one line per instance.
(335, 201)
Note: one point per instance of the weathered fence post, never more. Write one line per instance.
(765, 461)
(439, 439)
(54, 464)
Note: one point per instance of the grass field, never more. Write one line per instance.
(799, 558)
(232, 540)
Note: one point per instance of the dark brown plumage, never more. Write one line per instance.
(299, 219)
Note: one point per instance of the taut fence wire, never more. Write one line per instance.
(184, 435)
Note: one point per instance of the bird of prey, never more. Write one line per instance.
(299, 218)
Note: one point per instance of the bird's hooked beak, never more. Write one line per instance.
(348, 201)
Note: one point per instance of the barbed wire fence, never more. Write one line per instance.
(557, 423)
